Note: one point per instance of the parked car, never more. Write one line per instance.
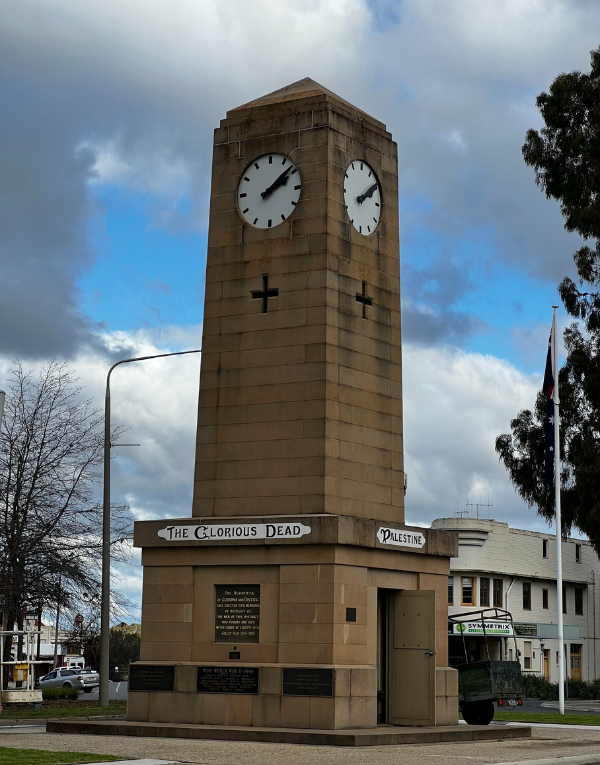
(91, 680)
(62, 678)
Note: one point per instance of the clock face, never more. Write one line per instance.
(362, 197)
(269, 190)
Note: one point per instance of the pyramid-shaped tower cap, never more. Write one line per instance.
(302, 89)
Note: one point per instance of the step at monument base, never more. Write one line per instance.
(387, 735)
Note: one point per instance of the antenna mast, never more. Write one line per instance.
(479, 504)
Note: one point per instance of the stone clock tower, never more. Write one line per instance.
(301, 384)
(295, 596)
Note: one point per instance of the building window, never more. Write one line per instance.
(510, 658)
(578, 601)
(544, 548)
(450, 590)
(527, 596)
(467, 591)
(545, 598)
(497, 585)
(527, 654)
(564, 600)
(576, 661)
(577, 553)
(484, 591)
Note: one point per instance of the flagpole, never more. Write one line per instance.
(559, 577)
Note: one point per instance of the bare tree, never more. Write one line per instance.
(51, 447)
(83, 618)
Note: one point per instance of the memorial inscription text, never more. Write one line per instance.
(307, 681)
(151, 677)
(237, 613)
(227, 679)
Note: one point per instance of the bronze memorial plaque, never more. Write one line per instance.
(227, 679)
(151, 677)
(237, 613)
(305, 681)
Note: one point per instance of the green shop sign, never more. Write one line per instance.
(476, 628)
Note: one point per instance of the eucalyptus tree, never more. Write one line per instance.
(565, 155)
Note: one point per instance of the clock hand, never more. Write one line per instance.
(368, 193)
(280, 181)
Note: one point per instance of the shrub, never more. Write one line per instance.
(60, 693)
(579, 689)
(536, 687)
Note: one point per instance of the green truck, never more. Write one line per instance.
(483, 677)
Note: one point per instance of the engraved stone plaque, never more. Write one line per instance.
(227, 679)
(151, 677)
(307, 681)
(237, 613)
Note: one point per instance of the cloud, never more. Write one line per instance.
(424, 325)
(102, 95)
(472, 71)
(455, 405)
(44, 214)
(150, 168)
(106, 96)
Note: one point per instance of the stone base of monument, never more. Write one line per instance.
(340, 626)
(387, 735)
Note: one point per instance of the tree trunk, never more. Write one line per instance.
(7, 653)
(19, 655)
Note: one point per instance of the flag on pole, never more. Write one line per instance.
(548, 389)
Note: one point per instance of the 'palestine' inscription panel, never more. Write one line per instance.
(237, 613)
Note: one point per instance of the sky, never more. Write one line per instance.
(105, 155)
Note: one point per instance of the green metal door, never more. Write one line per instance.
(412, 658)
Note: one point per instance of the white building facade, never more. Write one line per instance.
(515, 570)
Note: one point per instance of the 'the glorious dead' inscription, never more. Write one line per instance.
(237, 613)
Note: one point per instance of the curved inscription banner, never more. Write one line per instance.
(222, 532)
(400, 538)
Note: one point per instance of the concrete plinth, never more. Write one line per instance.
(384, 736)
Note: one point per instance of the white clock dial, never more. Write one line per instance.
(269, 190)
(362, 197)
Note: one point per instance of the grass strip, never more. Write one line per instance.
(9, 756)
(547, 717)
(12, 713)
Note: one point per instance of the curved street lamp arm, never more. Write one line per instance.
(143, 358)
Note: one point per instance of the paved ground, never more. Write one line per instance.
(551, 707)
(546, 742)
(115, 691)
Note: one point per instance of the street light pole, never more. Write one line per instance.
(105, 609)
(2, 638)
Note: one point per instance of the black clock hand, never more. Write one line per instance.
(280, 181)
(368, 193)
